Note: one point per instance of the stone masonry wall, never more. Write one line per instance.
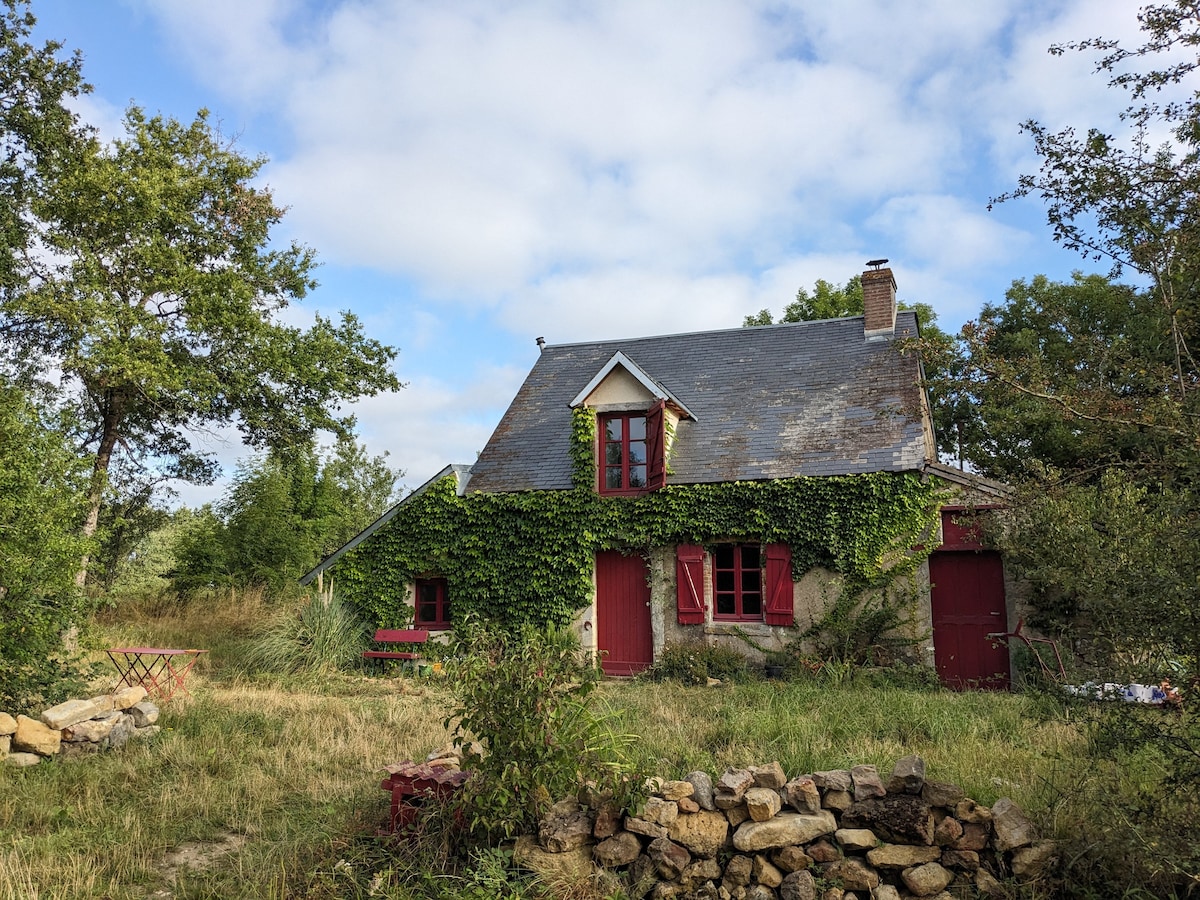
(756, 834)
(78, 727)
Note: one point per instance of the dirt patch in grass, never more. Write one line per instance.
(197, 856)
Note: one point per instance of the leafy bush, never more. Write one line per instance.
(695, 663)
(865, 627)
(323, 635)
(525, 721)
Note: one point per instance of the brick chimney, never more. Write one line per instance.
(879, 303)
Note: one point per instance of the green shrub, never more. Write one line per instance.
(526, 723)
(866, 627)
(322, 635)
(695, 663)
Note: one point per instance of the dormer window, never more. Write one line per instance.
(623, 453)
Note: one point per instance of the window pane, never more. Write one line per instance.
(751, 605)
(723, 556)
(752, 580)
(637, 476)
(612, 429)
(637, 452)
(750, 555)
(612, 478)
(427, 592)
(725, 581)
(427, 612)
(637, 428)
(612, 454)
(725, 605)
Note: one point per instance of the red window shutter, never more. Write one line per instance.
(656, 445)
(779, 585)
(689, 576)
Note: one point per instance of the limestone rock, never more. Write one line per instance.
(902, 856)
(791, 859)
(608, 821)
(7, 723)
(942, 793)
(735, 782)
(737, 872)
(853, 873)
(104, 702)
(700, 871)
(987, 885)
(659, 811)
(642, 827)
(885, 892)
(867, 783)
(1030, 863)
(71, 750)
(5, 744)
(974, 837)
(968, 811)
(93, 730)
(766, 874)
(573, 866)
(802, 795)
(763, 803)
(856, 840)
(927, 880)
(670, 858)
(799, 886)
(566, 827)
(835, 780)
(21, 760)
(127, 697)
(702, 787)
(770, 776)
(144, 714)
(759, 892)
(1010, 826)
(948, 831)
(32, 736)
(967, 860)
(677, 790)
(898, 818)
(784, 829)
(687, 805)
(148, 732)
(823, 851)
(838, 800)
(737, 815)
(703, 833)
(71, 712)
(908, 776)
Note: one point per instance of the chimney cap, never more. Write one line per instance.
(876, 263)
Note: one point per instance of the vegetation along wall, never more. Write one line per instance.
(528, 557)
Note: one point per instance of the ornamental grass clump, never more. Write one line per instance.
(527, 723)
(322, 635)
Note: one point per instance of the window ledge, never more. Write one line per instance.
(733, 628)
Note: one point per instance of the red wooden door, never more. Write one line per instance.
(623, 613)
(968, 605)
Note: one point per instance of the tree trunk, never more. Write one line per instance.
(108, 441)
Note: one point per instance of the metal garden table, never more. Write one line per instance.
(161, 671)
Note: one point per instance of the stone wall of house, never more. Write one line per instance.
(756, 834)
(78, 727)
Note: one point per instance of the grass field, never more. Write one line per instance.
(269, 787)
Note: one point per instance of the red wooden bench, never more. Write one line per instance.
(393, 637)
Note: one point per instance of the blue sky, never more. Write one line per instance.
(476, 174)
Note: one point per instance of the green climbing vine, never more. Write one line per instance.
(527, 557)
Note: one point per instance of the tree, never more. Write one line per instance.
(827, 301)
(37, 130)
(160, 301)
(282, 513)
(42, 489)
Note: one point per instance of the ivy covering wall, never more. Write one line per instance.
(528, 557)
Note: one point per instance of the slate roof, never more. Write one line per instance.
(811, 398)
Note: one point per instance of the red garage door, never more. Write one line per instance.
(623, 613)
(968, 605)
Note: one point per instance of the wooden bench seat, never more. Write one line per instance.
(398, 637)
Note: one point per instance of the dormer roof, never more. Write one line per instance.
(652, 386)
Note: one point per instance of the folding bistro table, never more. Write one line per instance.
(160, 671)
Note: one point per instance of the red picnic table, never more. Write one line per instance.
(154, 668)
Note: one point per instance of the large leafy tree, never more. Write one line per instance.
(160, 299)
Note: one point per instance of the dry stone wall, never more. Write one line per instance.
(756, 834)
(78, 727)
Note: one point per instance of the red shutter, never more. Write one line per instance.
(779, 585)
(656, 445)
(689, 576)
